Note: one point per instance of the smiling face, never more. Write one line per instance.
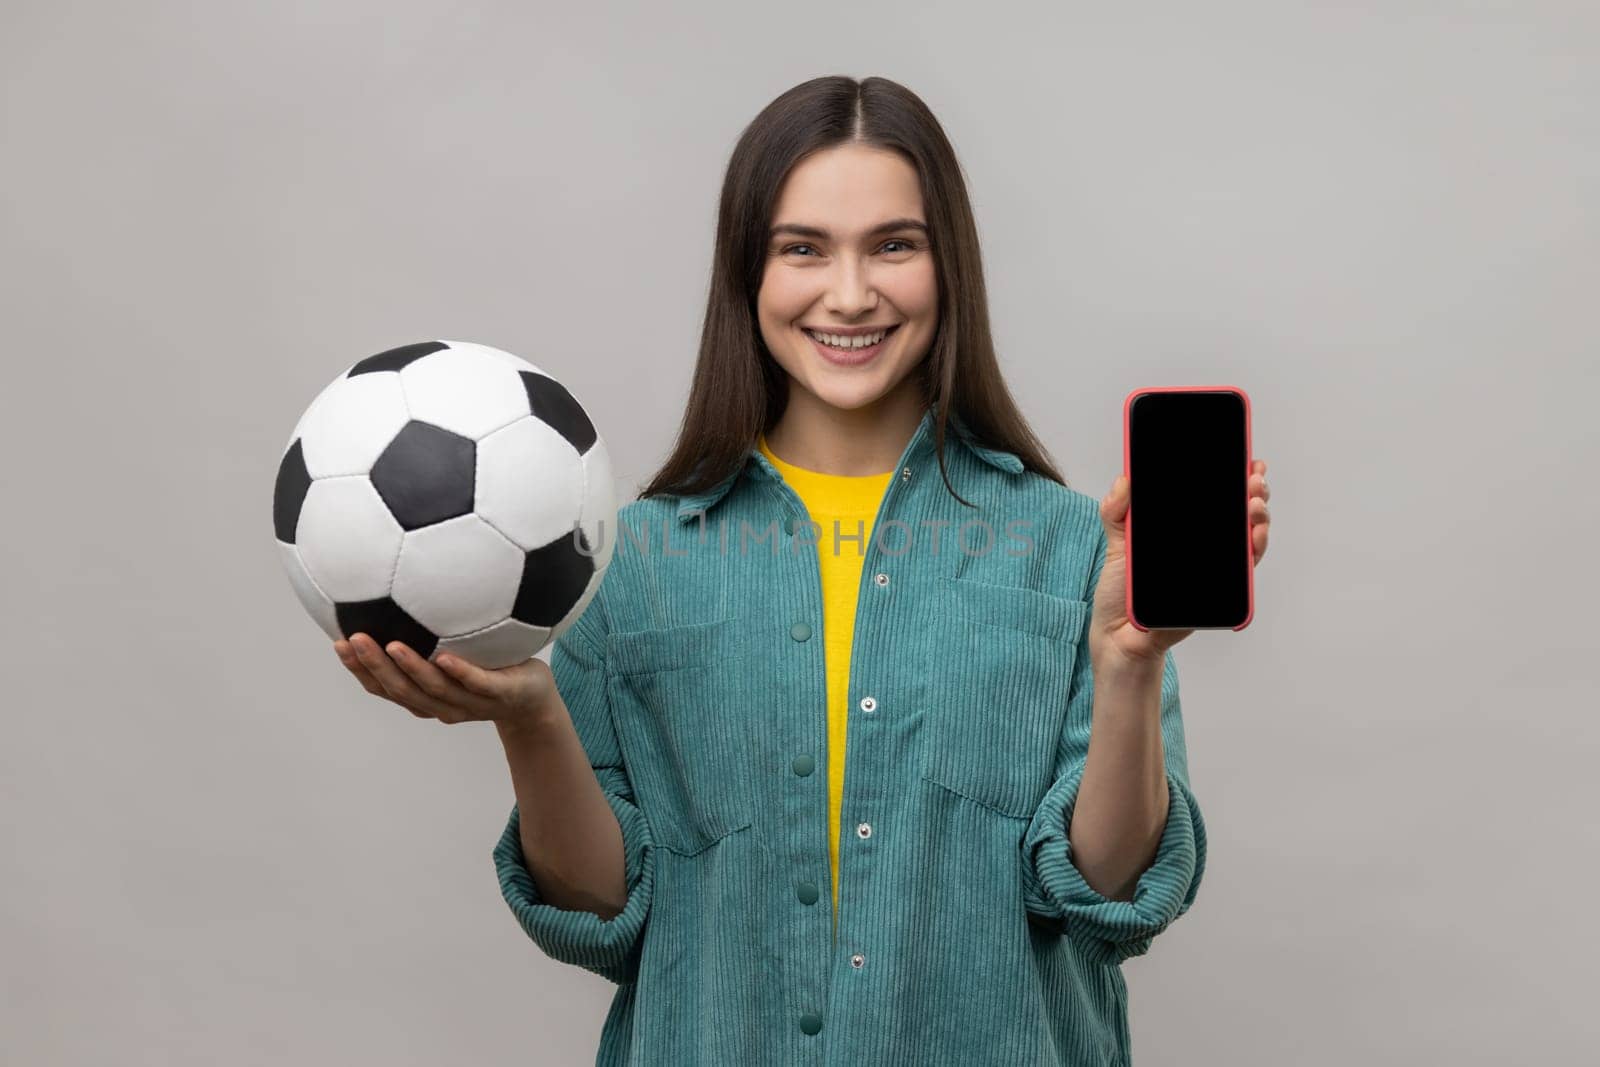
(848, 249)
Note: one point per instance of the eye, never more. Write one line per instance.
(909, 246)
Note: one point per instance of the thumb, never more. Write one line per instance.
(1114, 514)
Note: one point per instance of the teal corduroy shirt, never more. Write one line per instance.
(965, 936)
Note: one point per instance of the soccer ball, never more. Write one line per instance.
(447, 495)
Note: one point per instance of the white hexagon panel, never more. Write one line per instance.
(458, 576)
(448, 495)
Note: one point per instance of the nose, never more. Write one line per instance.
(850, 291)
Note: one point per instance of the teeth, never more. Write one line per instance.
(849, 342)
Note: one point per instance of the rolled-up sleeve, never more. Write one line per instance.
(1054, 890)
(607, 947)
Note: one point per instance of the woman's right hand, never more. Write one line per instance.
(451, 690)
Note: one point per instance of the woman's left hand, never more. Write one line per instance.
(1110, 632)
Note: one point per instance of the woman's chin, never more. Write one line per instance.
(846, 395)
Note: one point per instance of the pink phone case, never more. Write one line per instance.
(1127, 410)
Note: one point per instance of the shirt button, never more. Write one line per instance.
(800, 632)
(810, 1023)
(881, 578)
(869, 705)
(864, 830)
(905, 474)
(804, 765)
(807, 892)
(858, 961)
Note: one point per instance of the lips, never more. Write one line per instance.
(852, 331)
(850, 357)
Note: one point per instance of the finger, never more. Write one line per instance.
(1258, 540)
(487, 686)
(395, 682)
(1258, 510)
(1258, 487)
(1116, 501)
(348, 657)
(462, 703)
(375, 687)
(366, 678)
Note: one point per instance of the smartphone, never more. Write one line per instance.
(1186, 453)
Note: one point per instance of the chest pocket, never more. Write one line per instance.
(1000, 685)
(682, 720)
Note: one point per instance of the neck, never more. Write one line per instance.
(817, 436)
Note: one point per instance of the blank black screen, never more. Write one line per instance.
(1188, 476)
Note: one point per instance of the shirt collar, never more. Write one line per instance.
(920, 445)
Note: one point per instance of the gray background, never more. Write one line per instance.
(1379, 219)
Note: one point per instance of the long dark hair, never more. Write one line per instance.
(739, 390)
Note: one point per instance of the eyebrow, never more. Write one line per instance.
(818, 233)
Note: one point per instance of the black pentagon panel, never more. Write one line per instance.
(289, 494)
(426, 475)
(553, 578)
(549, 400)
(383, 620)
(396, 358)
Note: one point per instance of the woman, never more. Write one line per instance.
(858, 640)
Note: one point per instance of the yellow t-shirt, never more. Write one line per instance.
(852, 502)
